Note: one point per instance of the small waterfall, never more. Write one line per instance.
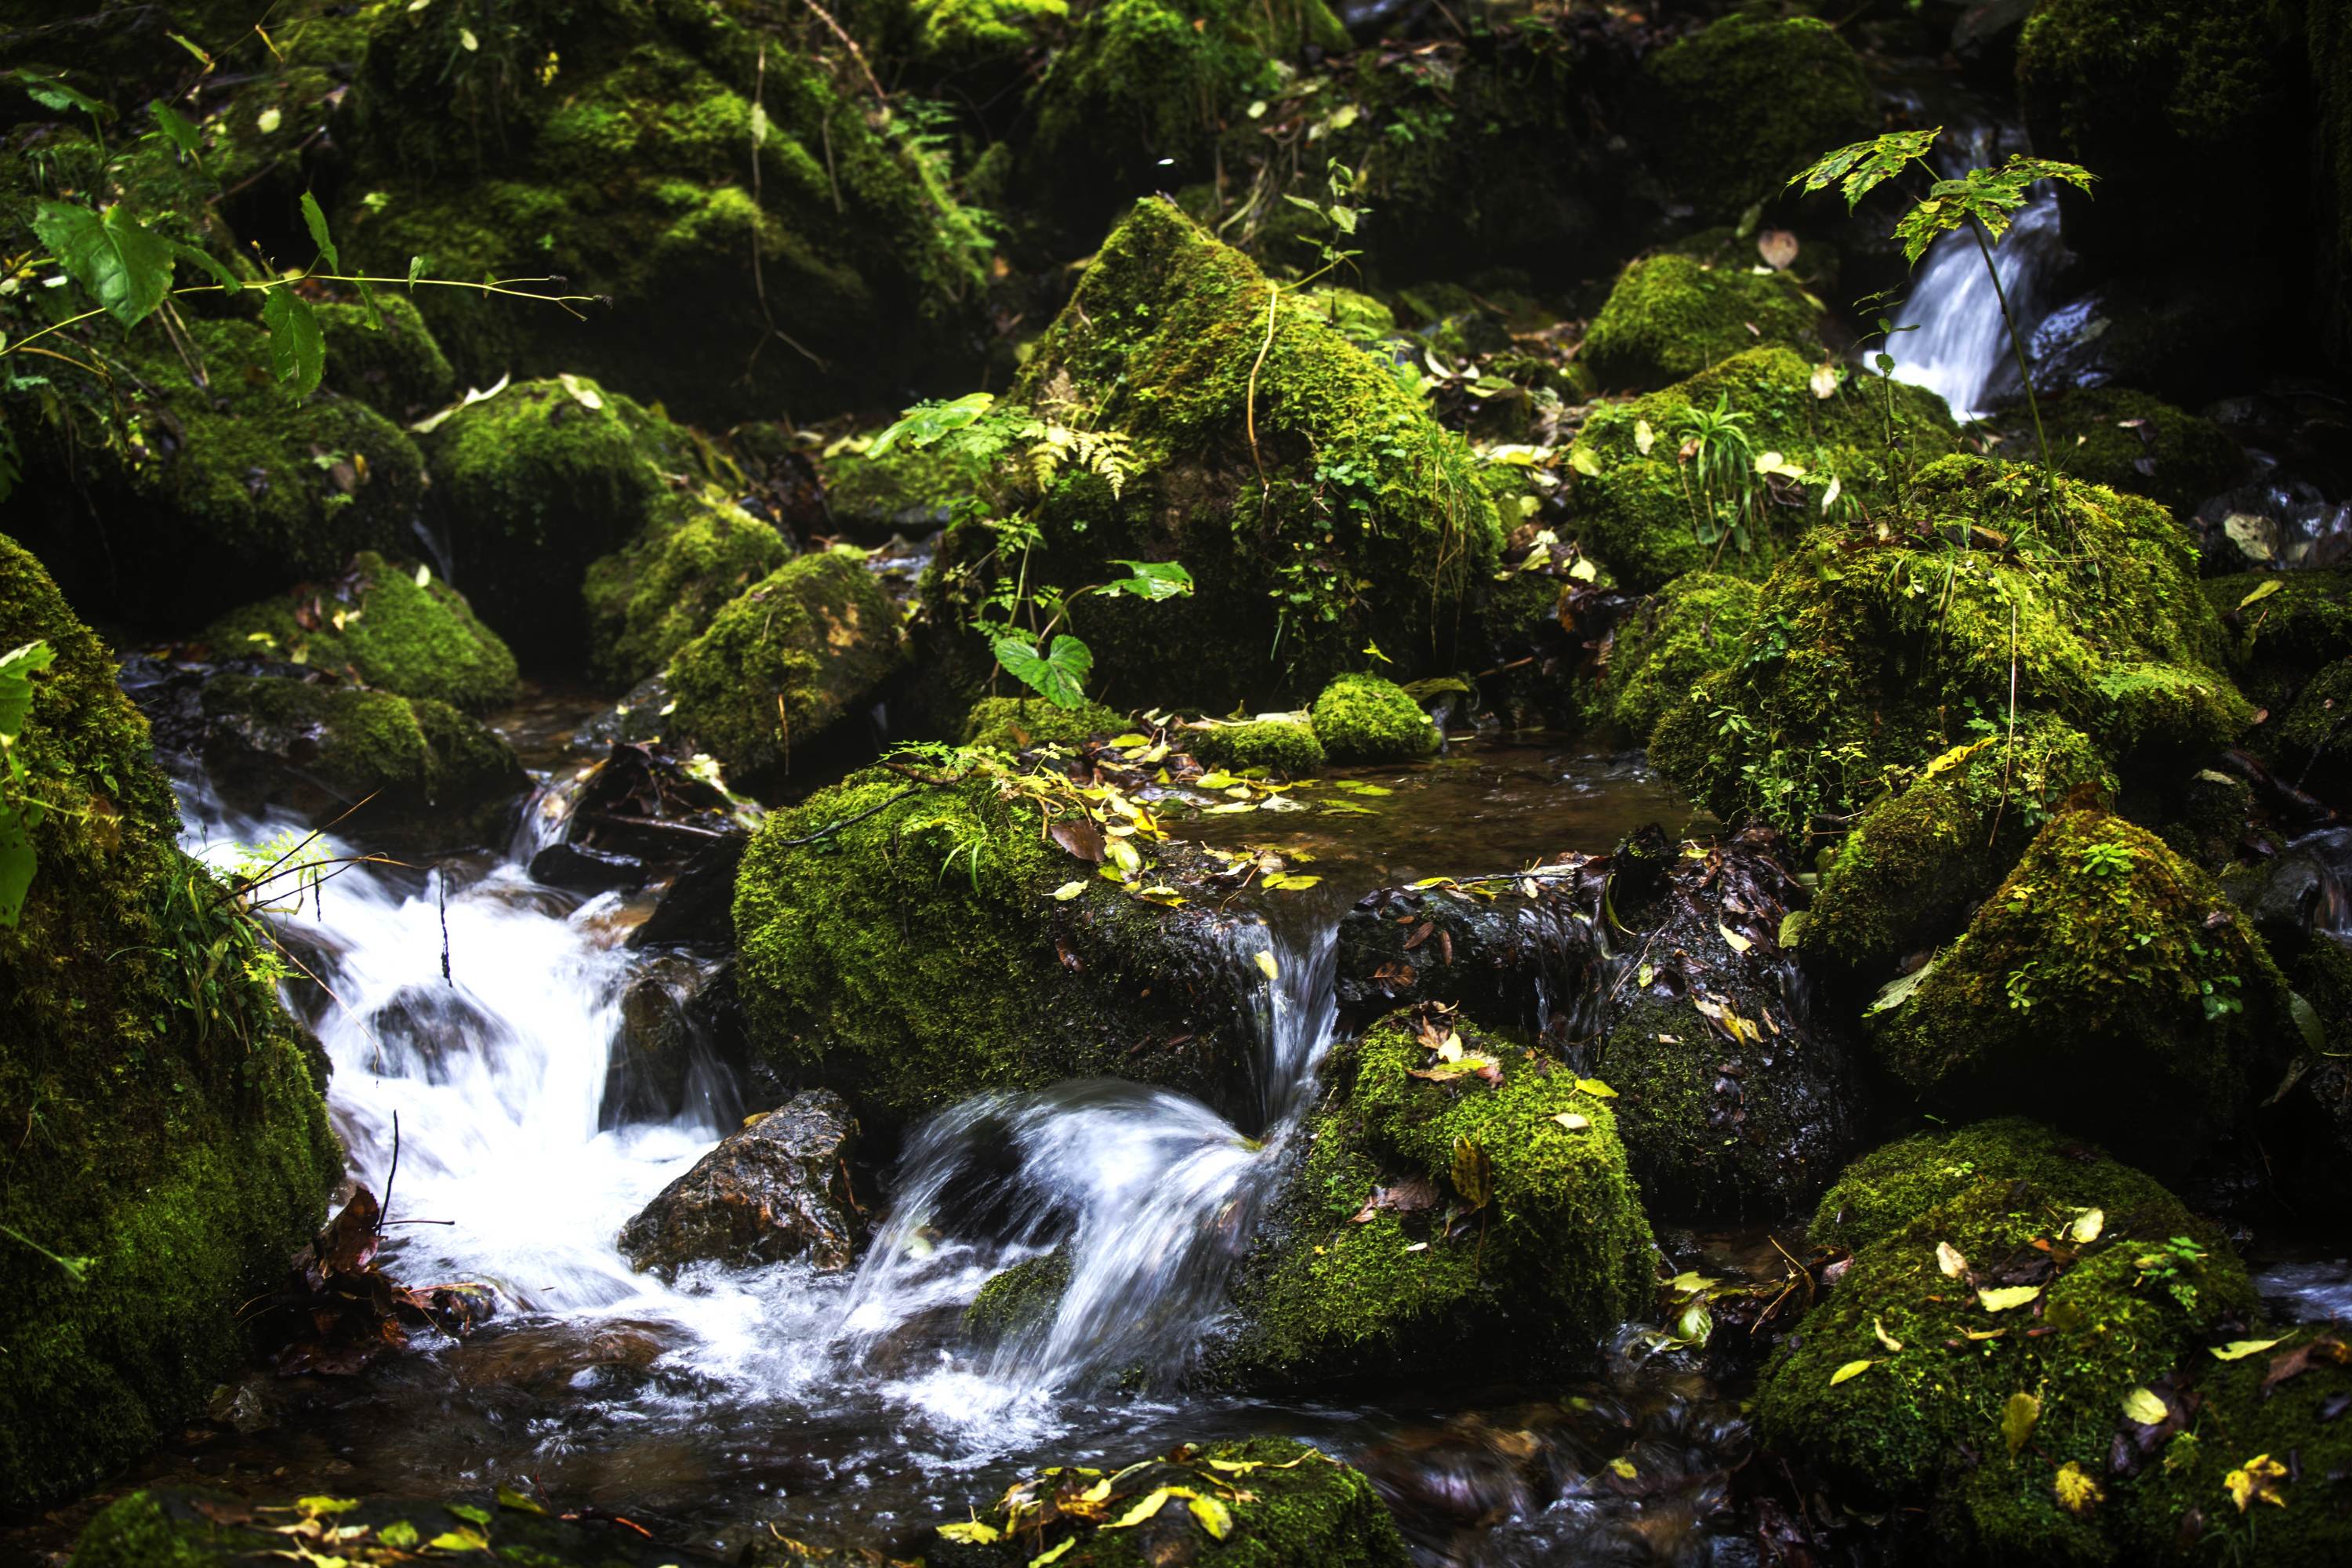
(1961, 343)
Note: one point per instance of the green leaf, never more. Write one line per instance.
(1214, 1516)
(316, 222)
(18, 668)
(416, 265)
(2142, 1405)
(298, 352)
(2239, 1350)
(926, 421)
(219, 274)
(2001, 1297)
(1863, 166)
(2018, 1416)
(178, 130)
(1850, 1370)
(1153, 580)
(1058, 675)
(51, 92)
(127, 269)
(399, 1535)
(470, 1513)
(970, 1533)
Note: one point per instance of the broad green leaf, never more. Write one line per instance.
(1214, 1516)
(18, 668)
(926, 422)
(1898, 990)
(1473, 1172)
(127, 269)
(2018, 1416)
(298, 352)
(221, 274)
(312, 1507)
(1153, 580)
(316, 222)
(2087, 1226)
(49, 92)
(2142, 1405)
(1266, 964)
(469, 1512)
(178, 130)
(1861, 167)
(1153, 1501)
(971, 1533)
(2263, 590)
(1068, 891)
(399, 1535)
(1594, 1086)
(459, 1540)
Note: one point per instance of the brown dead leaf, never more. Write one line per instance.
(1080, 837)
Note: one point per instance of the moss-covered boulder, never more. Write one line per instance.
(1684, 632)
(161, 1528)
(2312, 745)
(1263, 1502)
(1739, 106)
(900, 489)
(1016, 723)
(1287, 745)
(1370, 719)
(2282, 628)
(1671, 316)
(181, 1148)
(2007, 1291)
(2129, 441)
(387, 358)
(694, 555)
(1368, 523)
(912, 950)
(2108, 985)
(612, 143)
(1922, 858)
(395, 627)
(781, 666)
(1470, 1205)
(1647, 515)
(1022, 1298)
(1870, 655)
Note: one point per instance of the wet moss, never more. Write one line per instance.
(2312, 746)
(1669, 317)
(414, 639)
(320, 747)
(398, 369)
(1744, 103)
(2107, 983)
(1635, 509)
(1024, 1296)
(957, 31)
(787, 661)
(2281, 627)
(159, 1527)
(1923, 1425)
(1562, 1253)
(1367, 718)
(1016, 723)
(1921, 858)
(658, 592)
(176, 1146)
(1685, 631)
(2131, 442)
(1287, 746)
(903, 490)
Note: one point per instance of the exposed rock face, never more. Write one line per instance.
(774, 1191)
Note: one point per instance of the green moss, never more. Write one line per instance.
(1635, 509)
(156, 1528)
(1685, 631)
(2129, 441)
(1561, 1253)
(1871, 657)
(1669, 317)
(2312, 746)
(1921, 858)
(1741, 105)
(396, 368)
(1024, 1296)
(1368, 719)
(175, 1140)
(904, 490)
(962, 30)
(412, 754)
(416, 640)
(2106, 981)
(1287, 746)
(993, 721)
(2103, 1324)
(783, 662)
(2281, 627)
(658, 592)
(1371, 523)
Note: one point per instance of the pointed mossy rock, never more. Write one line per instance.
(180, 1147)
(1021, 1300)
(1560, 1255)
(1671, 316)
(1370, 523)
(913, 953)
(1685, 631)
(1736, 109)
(2108, 1315)
(1869, 655)
(2108, 985)
(610, 142)
(381, 625)
(1368, 719)
(1637, 510)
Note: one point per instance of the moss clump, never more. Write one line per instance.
(1636, 510)
(2281, 627)
(171, 1528)
(1367, 718)
(2108, 981)
(903, 490)
(321, 748)
(178, 1147)
(1684, 632)
(783, 663)
(1287, 1506)
(1287, 746)
(960, 31)
(1562, 1253)
(1370, 523)
(396, 368)
(382, 626)
(2312, 746)
(2129, 441)
(1739, 106)
(1869, 658)
(2109, 1314)
(1669, 317)
(1024, 1296)
(1017, 723)
(655, 594)
(1921, 858)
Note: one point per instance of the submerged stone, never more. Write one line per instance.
(774, 1192)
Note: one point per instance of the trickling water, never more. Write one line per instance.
(1960, 342)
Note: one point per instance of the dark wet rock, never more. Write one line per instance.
(776, 1190)
(547, 1356)
(638, 817)
(679, 1047)
(585, 869)
(152, 1528)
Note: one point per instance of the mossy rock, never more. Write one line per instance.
(913, 954)
(387, 359)
(611, 141)
(1288, 746)
(1636, 510)
(539, 482)
(2283, 626)
(1684, 632)
(2107, 983)
(1283, 1505)
(169, 1528)
(903, 490)
(783, 664)
(1021, 1300)
(663, 588)
(181, 1148)
(1016, 723)
(391, 627)
(1928, 1425)
(1870, 657)
(1368, 719)
(2132, 442)
(1370, 523)
(1560, 1254)
(1741, 105)
(1669, 317)
(2312, 746)
(1920, 859)
(952, 32)
(201, 497)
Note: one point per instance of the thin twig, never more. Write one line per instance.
(855, 52)
(1249, 401)
(384, 1210)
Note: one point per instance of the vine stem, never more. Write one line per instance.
(1249, 403)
